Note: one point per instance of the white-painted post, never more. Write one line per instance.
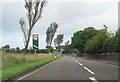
(35, 52)
(55, 56)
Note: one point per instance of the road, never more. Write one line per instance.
(74, 68)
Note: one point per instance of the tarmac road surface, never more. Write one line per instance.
(74, 68)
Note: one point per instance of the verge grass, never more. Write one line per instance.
(13, 64)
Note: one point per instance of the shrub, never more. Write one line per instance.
(26, 51)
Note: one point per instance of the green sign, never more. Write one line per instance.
(35, 41)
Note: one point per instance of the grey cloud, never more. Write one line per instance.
(69, 11)
(11, 13)
(71, 17)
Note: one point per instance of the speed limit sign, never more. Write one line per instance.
(35, 37)
(35, 41)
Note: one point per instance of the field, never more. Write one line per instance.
(13, 64)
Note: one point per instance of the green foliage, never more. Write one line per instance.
(26, 51)
(42, 51)
(34, 13)
(80, 38)
(58, 40)
(55, 42)
(91, 40)
(67, 49)
(50, 49)
(111, 44)
(17, 48)
(50, 33)
(117, 48)
(67, 43)
(6, 46)
(22, 63)
(95, 44)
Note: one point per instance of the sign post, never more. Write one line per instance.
(35, 42)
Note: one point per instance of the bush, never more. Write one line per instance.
(67, 49)
(42, 51)
(95, 44)
(80, 38)
(26, 51)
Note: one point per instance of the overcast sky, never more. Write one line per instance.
(71, 15)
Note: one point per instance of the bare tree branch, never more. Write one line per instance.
(34, 9)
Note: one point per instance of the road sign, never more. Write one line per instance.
(35, 41)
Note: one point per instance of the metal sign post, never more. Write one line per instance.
(35, 42)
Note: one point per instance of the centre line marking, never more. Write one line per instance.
(35, 70)
(73, 59)
(76, 61)
(80, 64)
(93, 79)
(89, 70)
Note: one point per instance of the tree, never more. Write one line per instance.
(59, 39)
(95, 44)
(51, 49)
(50, 33)
(80, 38)
(112, 42)
(67, 49)
(17, 48)
(67, 43)
(107, 45)
(55, 42)
(34, 9)
(117, 36)
(6, 46)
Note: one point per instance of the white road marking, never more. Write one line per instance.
(89, 70)
(73, 59)
(76, 61)
(93, 79)
(80, 64)
(35, 71)
(84, 67)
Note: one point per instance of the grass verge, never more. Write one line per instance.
(14, 69)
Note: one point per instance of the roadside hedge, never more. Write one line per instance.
(26, 51)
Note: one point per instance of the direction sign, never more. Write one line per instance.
(35, 41)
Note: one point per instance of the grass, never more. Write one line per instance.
(0, 75)
(13, 64)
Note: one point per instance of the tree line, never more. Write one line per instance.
(91, 40)
(16, 50)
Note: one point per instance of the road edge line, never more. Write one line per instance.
(35, 70)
